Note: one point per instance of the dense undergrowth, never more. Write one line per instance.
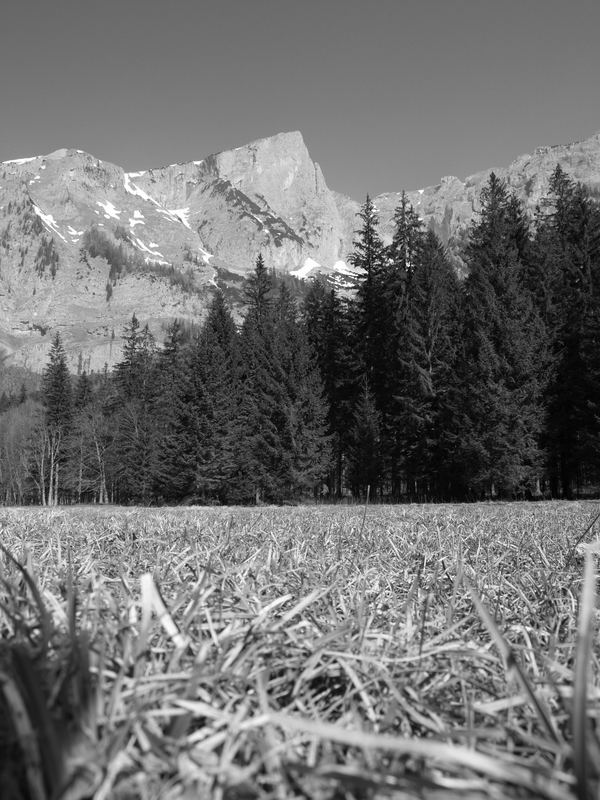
(318, 652)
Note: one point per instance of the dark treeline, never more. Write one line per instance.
(417, 386)
(215, 415)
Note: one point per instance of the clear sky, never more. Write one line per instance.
(389, 94)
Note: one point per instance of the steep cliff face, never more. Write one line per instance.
(163, 239)
(268, 197)
(181, 231)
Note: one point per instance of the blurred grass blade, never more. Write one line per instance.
(582, 662)
(45, 620)
(26, 736)
(580, 539)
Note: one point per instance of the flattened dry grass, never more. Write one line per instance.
(318, 652)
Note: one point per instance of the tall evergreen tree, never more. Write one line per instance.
(83, 390)
(438, 320)
(304, 422)
(420, 297)
(135, 451)
(403, 388)
(173, 411)
(502, 356)
(57, 398)
(282, 449)
(329, 332)
(258, 291)
(262, 462)
(568, 262)
(367, 315)
(424, 377)
(368, 257)
(216, 376)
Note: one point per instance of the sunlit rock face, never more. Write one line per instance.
(449, 207)
(267, 197)
(183, 230)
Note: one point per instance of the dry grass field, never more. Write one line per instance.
(314, 652)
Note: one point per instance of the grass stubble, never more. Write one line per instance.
(316, 652)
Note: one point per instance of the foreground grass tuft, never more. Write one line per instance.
(433, 652)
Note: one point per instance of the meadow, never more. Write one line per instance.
(304, 652)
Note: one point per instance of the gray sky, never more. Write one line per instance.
(389, 94)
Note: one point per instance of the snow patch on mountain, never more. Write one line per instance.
(306, 268)
(182, 215)
(110, 212)
(144, 248)
(21, 160)
(133, 189)
(172, 216)
(49, 221)
(345, 269)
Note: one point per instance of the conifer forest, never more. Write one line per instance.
(417, 386)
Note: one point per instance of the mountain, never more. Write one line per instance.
(449, 206)
(84, 244)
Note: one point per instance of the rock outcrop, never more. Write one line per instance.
(449, 207)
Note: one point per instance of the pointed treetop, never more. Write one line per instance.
(258, 291)
(56, 386)
(368, 246)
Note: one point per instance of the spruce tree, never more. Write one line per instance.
(419, 309)
(368, 319)
(263, 461)
(57, 399)
(135, 453)
(281, 450)
(437, 318)
(216, 426)
(568, 260)
(83, 390)
(403, 388)
(173, 411)
(328, 329)
(259, 454)
(303, 425)
(368, 257)
(502, 356)
(258, 291)
(423, 370)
